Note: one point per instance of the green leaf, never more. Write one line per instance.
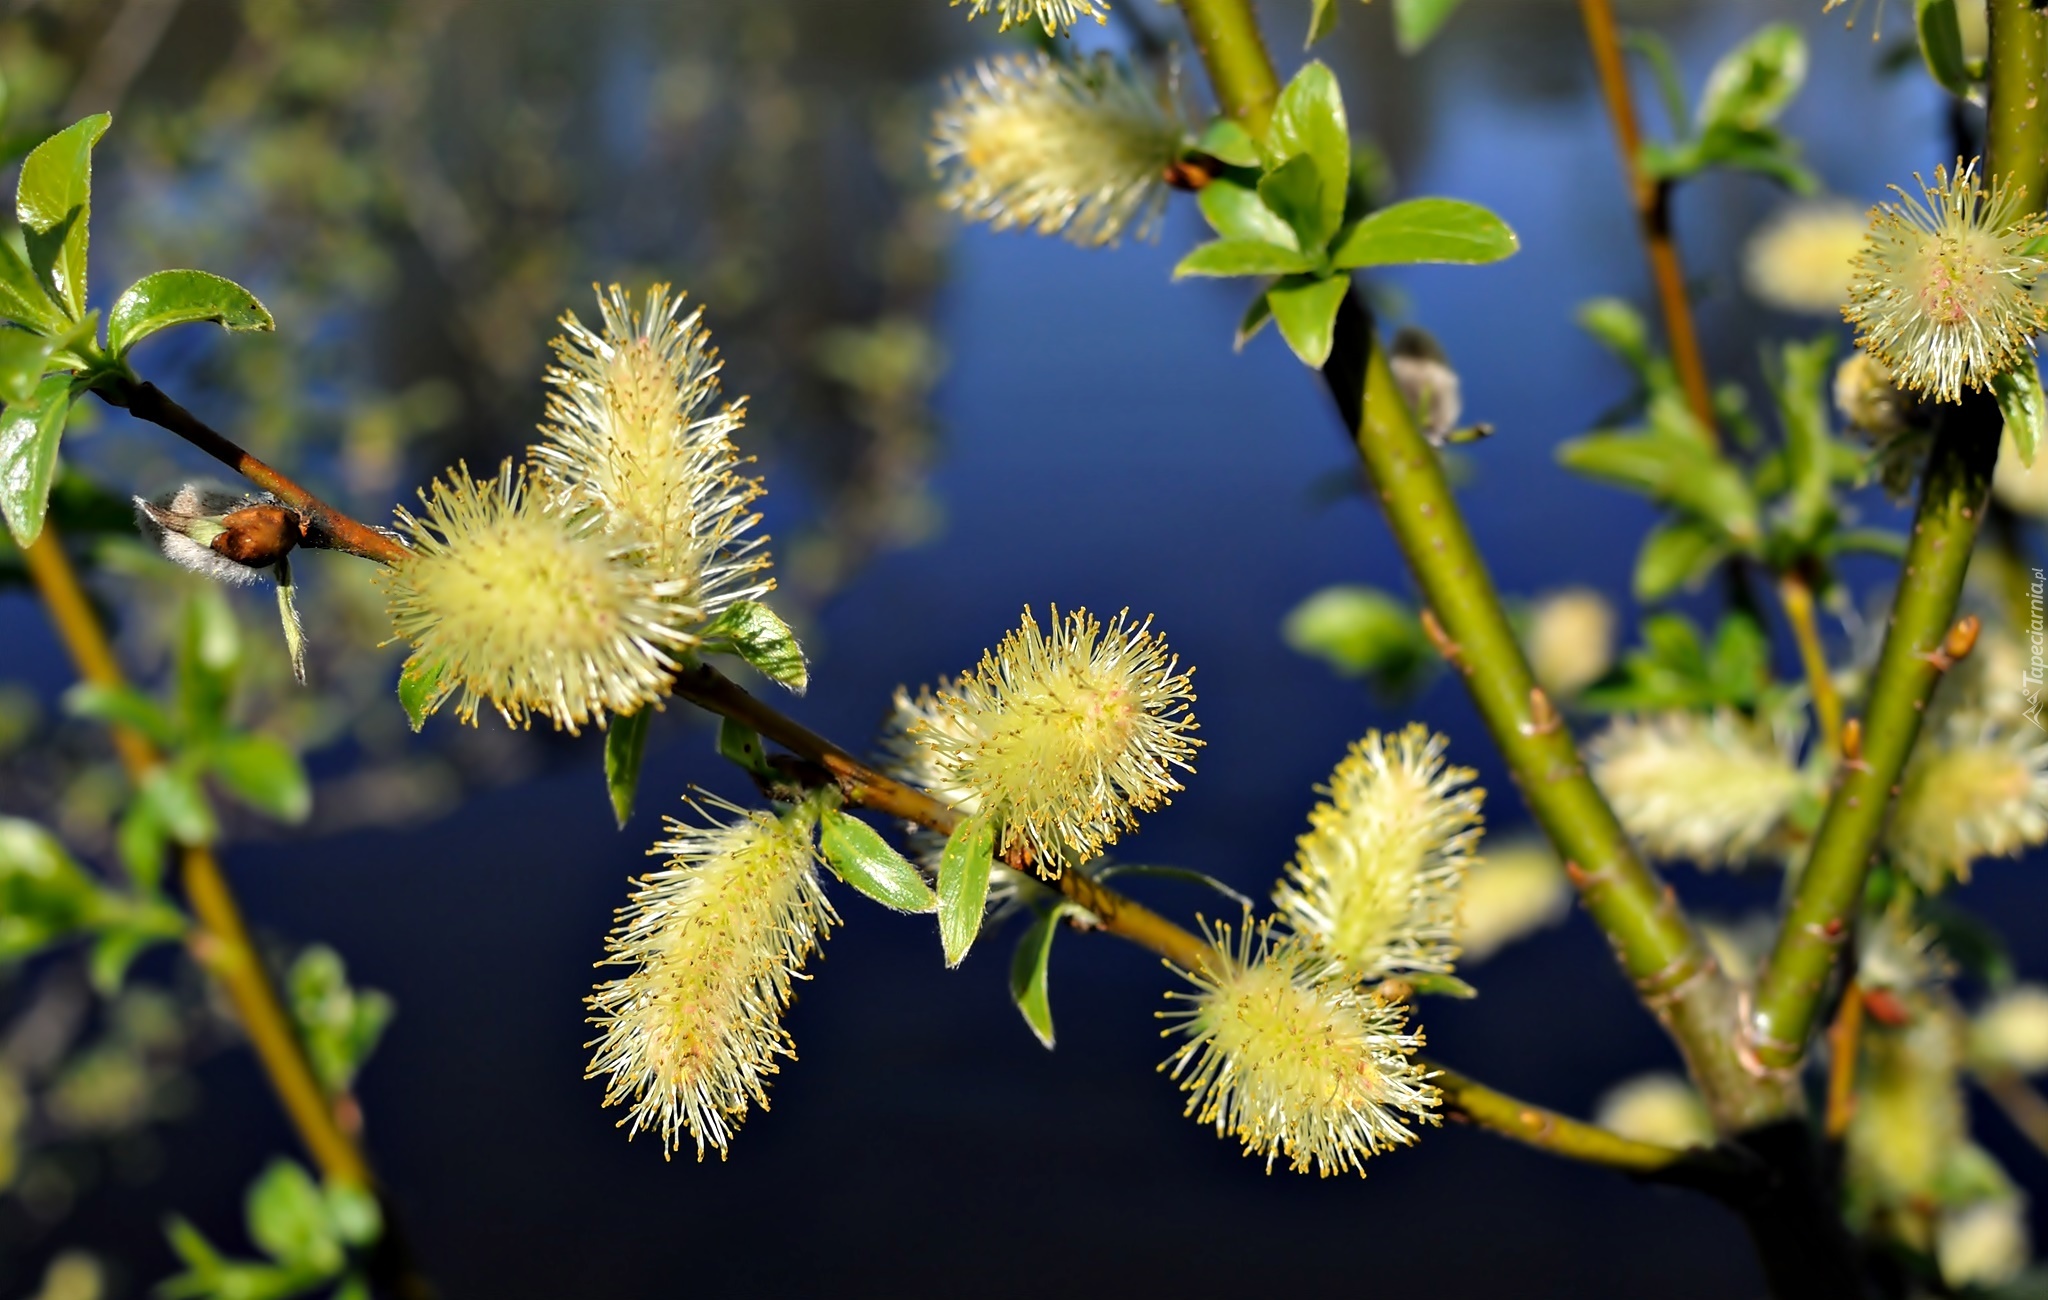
(1753, 82)
(1308, 121)
(1657, 53)
(1221, 257)
(1740, 663)
(1361, 632)
(54, 203)
(859, 855)
(1416, 22)
(1676, 553)
(45, 895)
(173, 797)
(1306, 311)
(288, 1219)
(355, 1215)
(122, 706)
(1672, 468)
(168, 298)
(1028, 971)
(963, 885)
(758, 635)
(1226, 140)
(1941, 46)
(209, 653)
(1294, 192)
(421, 688)
(1322, 20)
(263, 773)
(23, 299)
(2024, 407)
(1621, 329)
(625, 746)
(1236, 212)
(23, 358)
(1764, 150)
(1426, 230)
(1800, 385)
(29, 434)
(142, 842)
(1431, 984)
(340, 1024)
(1256, 313)
(741, 744)
(1871, 541)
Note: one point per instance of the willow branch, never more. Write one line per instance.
(2016, 121)
(322, 524)
(1651, 199)
(1918, 648)
(1656, 943)
(1546, 1130)
(221, 944)
(1795, 594)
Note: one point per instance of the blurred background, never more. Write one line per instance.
(953, 424)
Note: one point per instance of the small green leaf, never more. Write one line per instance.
(168, 298)
(758, 635)
(964, 870)
(1674, 468)
(1416, 22)
(174, 798)
(1308, 121)
(1664, 68)
(122, 706)
(859, 855)
(1800, 385)
(44, 894)
(625, 746)
(1941, 46)
(1236, 212)
(54, 203)
(29, 434)
(1220, 257)
(741, 744)
(288, 1219)
(1753, 82)
(23, 358)
(1256, 313)
(23, 299)
(1028, 972)
(354, 1213)
(340, 1024)
(1676, 553)
(1305, 309)
(1740, 663)
(1431, 984)
(1620, 329)
(421, 689)
(1361, 632)
(263, 773)
(142, 842)
(1294, 192)
(2021, 402)
(1322, 20)
(1226, 140)
(209, 654)
(1871, 541)
(1426, 230)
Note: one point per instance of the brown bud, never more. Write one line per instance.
(1962, 638)
(1192, 172)
(1852, 741)
(258, 535)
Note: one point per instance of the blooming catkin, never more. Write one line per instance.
(1707, 788)
(535, 610)
(1063, 735)
(1076, 146)
(1979, 789)
(1055, 16)
(1375, 881)
(691, 1034)
(1287, 1055)
(636, 433)
(1940, 290)
(1801, 260)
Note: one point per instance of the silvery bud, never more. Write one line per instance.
(213, 530)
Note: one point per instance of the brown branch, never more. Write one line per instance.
(322, 525)
(1651, 199)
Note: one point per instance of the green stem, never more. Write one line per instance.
(1822, 914)
(1657, 945)
(1546, 1130)
(2016, 120)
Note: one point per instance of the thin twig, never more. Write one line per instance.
(1651, 199)
(1795, 593)
(1845, 1043)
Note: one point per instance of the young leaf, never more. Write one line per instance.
(1753, 82)
(1800, 387)
(1361, 632)
(1236, 212)
(625, 745)
(54, 203)
(1028, 972)
(1308, 121)
(1431, 984)
(168, 298)
(420, 689)
(1416, 22)
(1426, 230)
(1941, 45)
(44, 894)
(1322, 20)
(288, 1219)
(29, 434)
(23, 299)
(858, 855)
(264, 774)
(1226, 140)
(23, 358)
(1306, 311)
(122, 706)
(741, 744)
(173, 797)
(963, 885)
(2021, 402)
(1220, 257)
(1670, 467)
(209, 652)
(758, 635)
(141, 842)
(1676, 553)
(1256, 313)
(1294, 192)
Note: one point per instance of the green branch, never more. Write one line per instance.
(1657, 945)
